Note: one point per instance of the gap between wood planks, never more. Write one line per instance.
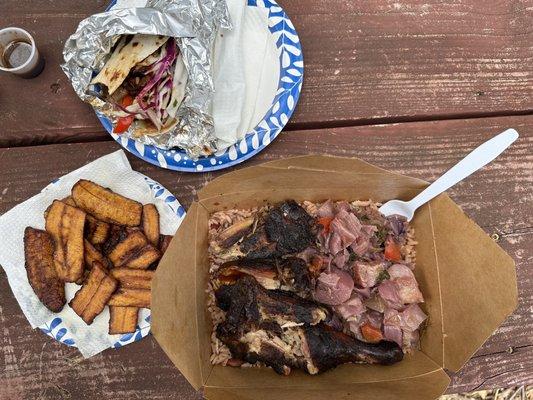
(86, 136)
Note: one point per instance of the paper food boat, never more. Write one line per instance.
(468, 282)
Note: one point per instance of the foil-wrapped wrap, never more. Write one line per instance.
(194, 24)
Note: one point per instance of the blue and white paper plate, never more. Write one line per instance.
(56, 329)
(289, 87)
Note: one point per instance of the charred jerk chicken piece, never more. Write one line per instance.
(285, 331)
(290, 274)
(285, 229)
(247, 301)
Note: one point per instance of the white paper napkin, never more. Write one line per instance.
(112, 171)
(245, 72)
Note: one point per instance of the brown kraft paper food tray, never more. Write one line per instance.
(468, 281)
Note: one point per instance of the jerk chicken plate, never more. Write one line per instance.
(312, 286)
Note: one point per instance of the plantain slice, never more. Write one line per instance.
(164, 241)
(65, 224)
(134, 251)
(133, 278)
(122, 319)
(131, 298)
(69, 201)
(150, 223)
(91, 299)
(92, 254)
(42, 275)
(106, 205)
(96, 231)
(117, 234)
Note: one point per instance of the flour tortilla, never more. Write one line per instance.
(125, 57)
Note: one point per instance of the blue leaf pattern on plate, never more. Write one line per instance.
(126, 337)
(60, 333)
(55, 322)
(289, 87)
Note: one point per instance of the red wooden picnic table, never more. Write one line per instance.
(409, 86)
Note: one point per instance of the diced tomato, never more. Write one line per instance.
(325, 222)
(371, 333)
(392, 250)
(127, 100)
(123, 124)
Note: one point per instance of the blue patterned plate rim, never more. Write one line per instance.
(56, 329)
(283, 105)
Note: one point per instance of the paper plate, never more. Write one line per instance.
(58, 331)
(289, 87)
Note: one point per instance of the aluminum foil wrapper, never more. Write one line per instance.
(194, 24)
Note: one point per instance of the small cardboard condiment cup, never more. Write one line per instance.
(468, 282)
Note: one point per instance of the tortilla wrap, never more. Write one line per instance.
(125, 57)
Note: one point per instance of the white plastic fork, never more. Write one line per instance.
(477, 159)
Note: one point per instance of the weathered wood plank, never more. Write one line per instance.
(366, 62)
(498, 198)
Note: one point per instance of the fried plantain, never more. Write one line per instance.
(96, 231)
(133, 278)
(134, 251)
(150, 223)
(65, 224)
(131, 298)
(117, 233)
(69, 201)
(164, 241)
(92, 254)
(42, 275)
(106, 205)
(91, 299)
(122, 319)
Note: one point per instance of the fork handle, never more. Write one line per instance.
(477, 159)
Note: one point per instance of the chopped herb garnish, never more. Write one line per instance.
(382, 276)
(352, 257)
(381, 235)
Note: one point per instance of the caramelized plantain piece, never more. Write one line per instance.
(122, 319)
(91, 299)
(150, 223)
(133, 278)
(131, 298)
(69, 201)
(134, 251)
(65, 224)
(106, 205)
(42, 275)
(96, 231)
(92, 254)
(117, 233)
(164, 241)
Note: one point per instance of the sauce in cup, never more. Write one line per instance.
(18, 53)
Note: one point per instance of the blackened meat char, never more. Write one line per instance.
(285, 229)
(285, 331)
(329, 348)
(248, 301)
(291, 227)
(290, 273)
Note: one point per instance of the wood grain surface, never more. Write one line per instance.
(498, 198)
(366, 62)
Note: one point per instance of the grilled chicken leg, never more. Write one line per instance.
(285, 331)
